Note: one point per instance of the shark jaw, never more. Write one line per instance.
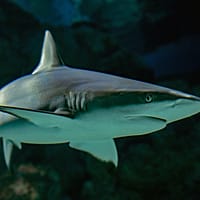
(58, 104)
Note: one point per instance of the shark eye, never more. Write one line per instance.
(149, 98)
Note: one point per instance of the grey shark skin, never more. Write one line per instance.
(59, 104)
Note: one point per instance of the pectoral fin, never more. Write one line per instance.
(39, 118)
(104, 149)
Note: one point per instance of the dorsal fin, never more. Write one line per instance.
(49, 57)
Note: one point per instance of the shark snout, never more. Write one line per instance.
(177, 103)
(182, 108)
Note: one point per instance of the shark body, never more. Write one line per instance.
(59, 104)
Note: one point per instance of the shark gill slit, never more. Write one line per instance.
(76, 101)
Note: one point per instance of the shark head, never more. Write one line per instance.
(85, 108)
(137, 111)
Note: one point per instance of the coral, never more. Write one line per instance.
(31, 183)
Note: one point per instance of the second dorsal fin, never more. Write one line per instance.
(49, 57)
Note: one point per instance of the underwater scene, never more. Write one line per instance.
(99, 100)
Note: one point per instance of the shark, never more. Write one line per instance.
(87, 109)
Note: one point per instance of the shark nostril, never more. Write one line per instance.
(173, 104)
(177, 102)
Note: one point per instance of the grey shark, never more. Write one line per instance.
(87, 109)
